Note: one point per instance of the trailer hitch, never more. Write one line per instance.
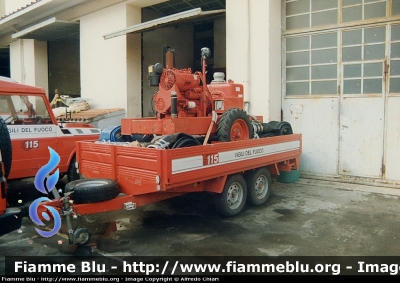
(79, 236)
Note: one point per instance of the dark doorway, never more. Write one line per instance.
(5, 62)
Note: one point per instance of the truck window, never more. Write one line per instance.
(24, 109)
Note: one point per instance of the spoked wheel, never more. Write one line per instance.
(233, 198)
(82, 236)
(235, 125)
(258, 186)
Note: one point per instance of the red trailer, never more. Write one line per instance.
(201, 140)
(122, 176)
(145, 175)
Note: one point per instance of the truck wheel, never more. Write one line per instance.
(72, 174)
(5, 147)
(233, 198)
(258, 186)
(235, 125)
(92, 190)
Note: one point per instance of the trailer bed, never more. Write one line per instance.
(141, 170)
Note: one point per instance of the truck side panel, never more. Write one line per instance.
(136, 169)
(215, 160)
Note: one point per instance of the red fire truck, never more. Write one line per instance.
(33, 128)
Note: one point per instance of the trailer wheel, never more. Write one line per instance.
(258, 186)
(233, 198)
(72, 174)
(5, 147)
(92, 190)
(235, 125)
(82, 236)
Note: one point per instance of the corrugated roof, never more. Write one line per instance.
(190, 16)
(20, 9)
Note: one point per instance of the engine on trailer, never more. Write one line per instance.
(190, 111)
(181, 93)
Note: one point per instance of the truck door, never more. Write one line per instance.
(32, 133)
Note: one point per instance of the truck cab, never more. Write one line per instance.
(34, 128)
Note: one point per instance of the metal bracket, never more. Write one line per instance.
(129, 205)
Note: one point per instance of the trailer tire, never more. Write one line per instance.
(72, 174)
(234, 125)
(5, 147)
(233, 198)
(92, 190)
(258, 186)
(82, 236)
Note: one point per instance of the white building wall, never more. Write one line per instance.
(238, 41)
(317, 121)
(29, 65)
(41, 65)
(134, 63)
(2, 8)
(219, 43)
(273, 65)
(104, 72)
(392, 141)
(253, 35)
(17, 70)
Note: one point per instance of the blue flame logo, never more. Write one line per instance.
(45, 170)
(35, 218)
(51, 181)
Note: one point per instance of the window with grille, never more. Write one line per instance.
(325, 41)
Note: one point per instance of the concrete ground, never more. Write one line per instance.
(307, 218)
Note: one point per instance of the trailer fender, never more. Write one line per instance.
(273, 169)
(215, 185)
(92, 190)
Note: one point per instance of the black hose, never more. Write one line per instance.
(185, 142)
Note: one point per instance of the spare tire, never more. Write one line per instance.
(5, 147)
(92, 190)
